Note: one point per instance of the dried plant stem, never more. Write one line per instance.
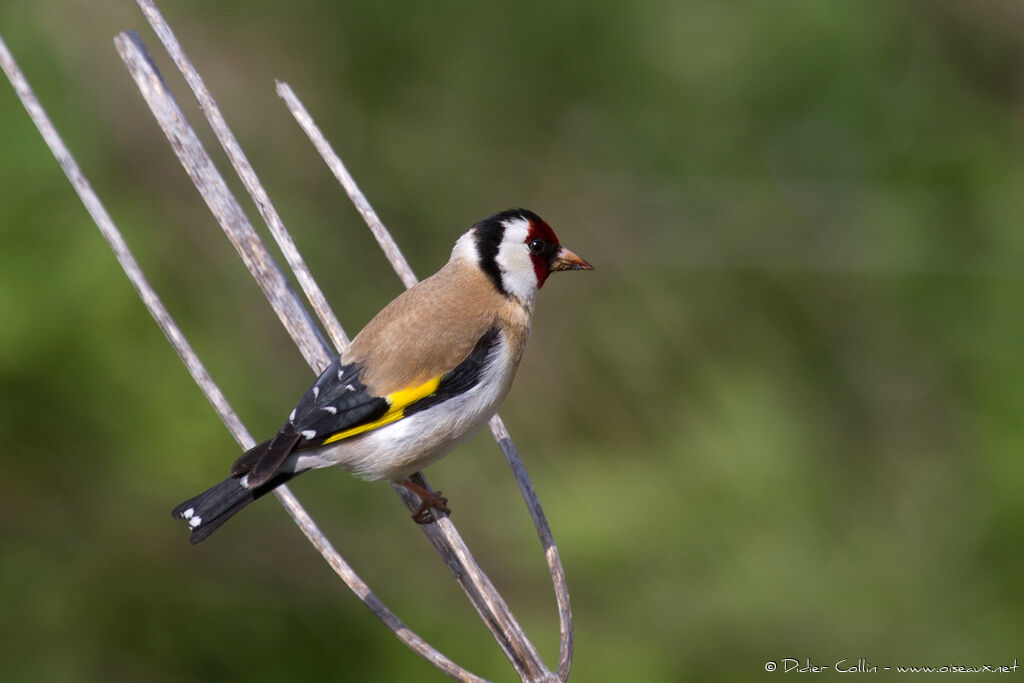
(334, 162)
(547, 540)
(245, 171)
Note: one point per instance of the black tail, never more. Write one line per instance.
(210, 509)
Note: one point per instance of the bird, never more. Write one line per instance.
(424, 375)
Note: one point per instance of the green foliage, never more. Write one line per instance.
(781, 419)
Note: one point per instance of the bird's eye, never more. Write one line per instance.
(537, 246)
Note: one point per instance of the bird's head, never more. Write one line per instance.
(517, 250)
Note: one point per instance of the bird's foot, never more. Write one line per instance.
(429, 501)
(424, 513)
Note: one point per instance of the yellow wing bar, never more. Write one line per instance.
(397, 403)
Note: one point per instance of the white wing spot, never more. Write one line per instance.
(187, 514)
(244, 481)
(195, 521)
(316, 391)
(349, 387)
(331, 409)
(341, 374)
(291, 418)
(308, 434)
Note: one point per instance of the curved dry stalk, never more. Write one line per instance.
(554, 560)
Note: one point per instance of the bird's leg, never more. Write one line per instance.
(428, 499)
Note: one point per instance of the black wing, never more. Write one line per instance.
(336, 402)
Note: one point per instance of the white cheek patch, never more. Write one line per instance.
(514, 261)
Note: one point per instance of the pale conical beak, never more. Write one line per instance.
(566, 260)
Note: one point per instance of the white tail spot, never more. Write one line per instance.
(195, 521)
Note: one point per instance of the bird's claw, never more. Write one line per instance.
(432, 501)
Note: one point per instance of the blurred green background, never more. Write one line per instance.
(783, 418)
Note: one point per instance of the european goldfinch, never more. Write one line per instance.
(423, 376)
